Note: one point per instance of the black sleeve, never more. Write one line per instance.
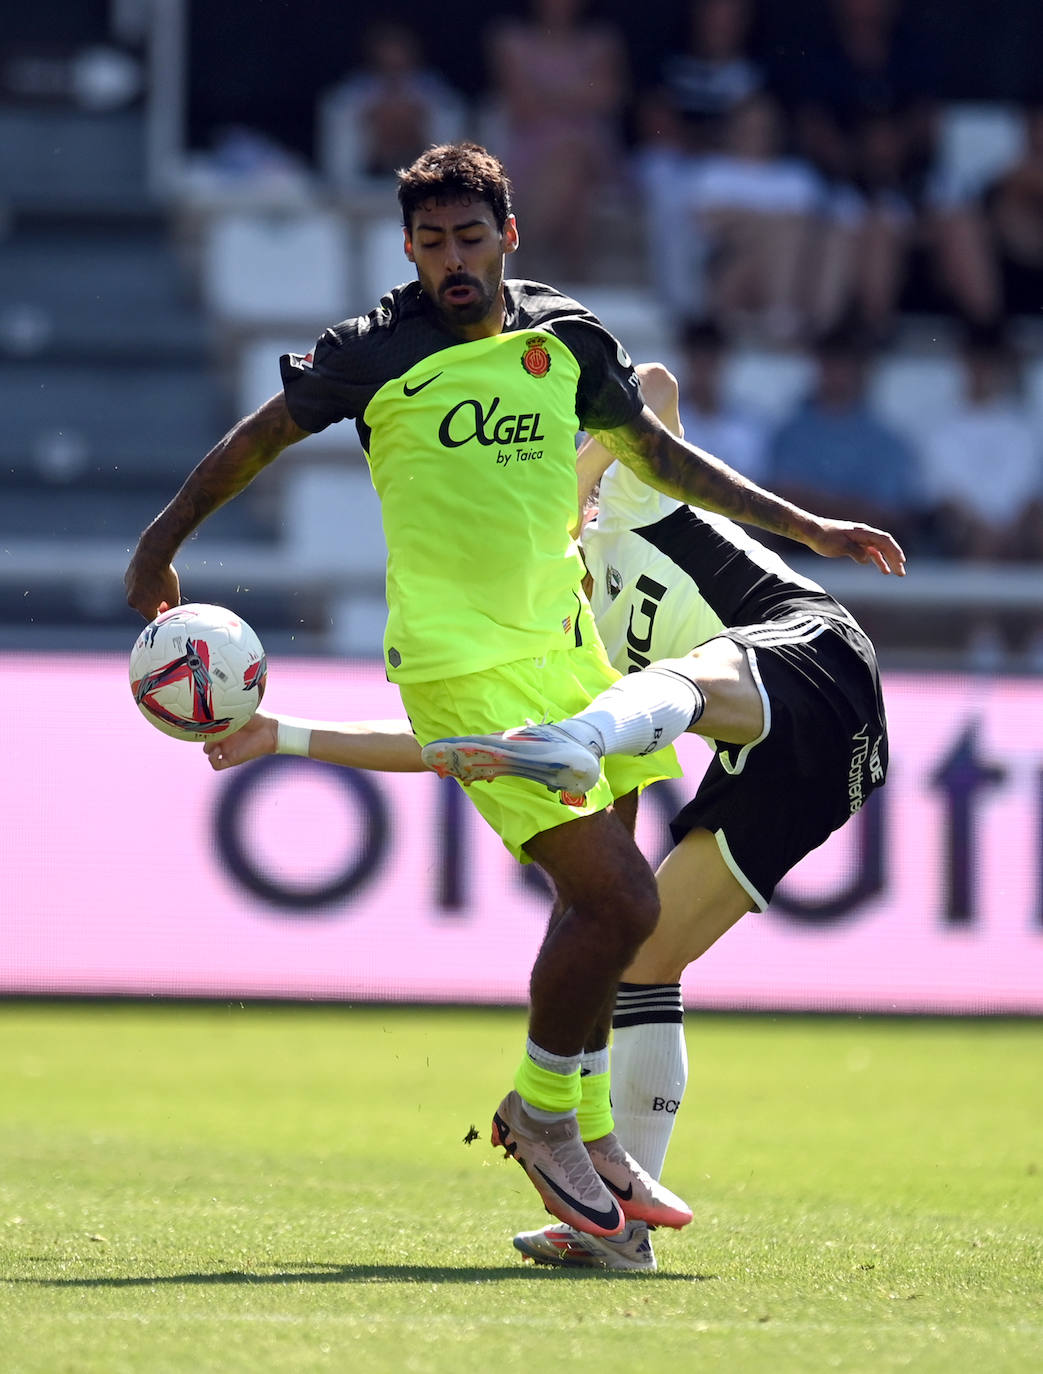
(318, 386)
(608, 393)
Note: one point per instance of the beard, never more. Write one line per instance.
(469, 312)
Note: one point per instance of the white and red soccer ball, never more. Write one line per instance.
(198, 672)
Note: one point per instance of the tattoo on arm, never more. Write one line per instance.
(674, 466)
(229, 467)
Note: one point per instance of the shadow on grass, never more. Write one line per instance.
(360, 1273)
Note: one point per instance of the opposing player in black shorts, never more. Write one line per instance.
(791, 698)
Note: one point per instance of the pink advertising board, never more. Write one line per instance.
(127, 867)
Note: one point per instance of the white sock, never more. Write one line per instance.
(649, 1069)
(641, 712)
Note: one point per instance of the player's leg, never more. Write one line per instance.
(700, 901)
(607, 907)
(711, 691)
(608, 900)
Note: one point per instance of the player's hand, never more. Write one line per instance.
(843, 539)
(251, 741)
(150, 588)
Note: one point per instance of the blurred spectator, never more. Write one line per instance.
(710, 420)
(983, 464)
(679, 121)
(1013, 206)
(834, 456)
(757, 211)
(382, 116)
(700, 85)
(865, 115)
(741, 236)
(559, 84)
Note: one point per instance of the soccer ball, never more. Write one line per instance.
(198, 672)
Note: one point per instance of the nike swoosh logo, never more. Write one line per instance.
(408, 390)
(607, 1219)
(623, 1197)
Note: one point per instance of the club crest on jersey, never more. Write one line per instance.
(536, 359)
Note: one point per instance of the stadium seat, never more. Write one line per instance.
(976, 141)
(913, 393)
(87, 421)
(332, 521)
(769, 383)
(281, 267)
(63, 156)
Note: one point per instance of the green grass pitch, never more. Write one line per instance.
(229, 1188)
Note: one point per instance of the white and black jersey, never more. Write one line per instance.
(666, 578)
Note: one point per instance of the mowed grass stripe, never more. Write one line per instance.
(202, 1187)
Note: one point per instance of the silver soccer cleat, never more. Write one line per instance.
(540, 753)
(630, 1250)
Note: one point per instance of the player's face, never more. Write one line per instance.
(458, 252)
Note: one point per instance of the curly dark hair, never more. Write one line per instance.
(455, 171)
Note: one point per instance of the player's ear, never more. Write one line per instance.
(509, 236)
(407, 244)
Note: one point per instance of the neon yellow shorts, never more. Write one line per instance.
(499, 698)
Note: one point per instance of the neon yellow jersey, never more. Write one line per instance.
(471, 449)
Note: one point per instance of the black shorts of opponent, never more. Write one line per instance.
(822, 752)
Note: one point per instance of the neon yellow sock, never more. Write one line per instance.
(551, 1092)
(594, 1113)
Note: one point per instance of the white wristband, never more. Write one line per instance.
(293, 737)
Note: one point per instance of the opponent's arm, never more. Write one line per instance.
(378, 746)
(683, 471)
(231, 465)
(659, 388)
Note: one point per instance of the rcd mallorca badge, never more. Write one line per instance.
(536, 359)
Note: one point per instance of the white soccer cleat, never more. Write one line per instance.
(629, 1251)
(641, 1197)
(540, 753)
(558, 1166)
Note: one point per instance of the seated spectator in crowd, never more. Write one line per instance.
(1013, 206)
(983, 464)
(701, 83)
(385, 114)
(710, 420)
(865, 114)
(757, 209)
(559, 86)
(685, 116)
(835, 456)
(737, 235)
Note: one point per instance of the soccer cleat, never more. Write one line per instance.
(641, 1197)
(558, 1166)
(541, 753)
(630, 1250)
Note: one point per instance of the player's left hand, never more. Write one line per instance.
(863, 543)
(253, 740)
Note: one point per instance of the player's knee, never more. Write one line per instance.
(640, 914)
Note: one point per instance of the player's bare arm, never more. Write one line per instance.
(689, 474)
(659, 388)
(229, 467)
(378, 746)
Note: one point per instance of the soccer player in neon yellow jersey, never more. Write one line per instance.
(467, 392)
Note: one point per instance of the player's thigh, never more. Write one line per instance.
(735, 708)
(699, 900)
(597, 868)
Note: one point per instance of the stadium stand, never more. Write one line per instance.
(135, 327)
